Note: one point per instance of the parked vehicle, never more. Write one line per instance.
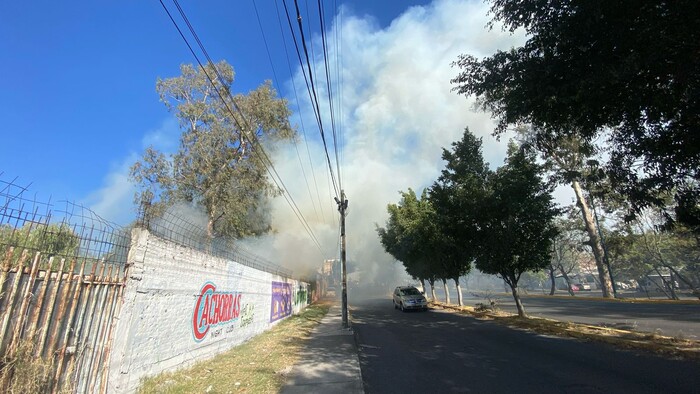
(408, 298)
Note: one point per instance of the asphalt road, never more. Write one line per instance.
(437, 351)
(681, 320)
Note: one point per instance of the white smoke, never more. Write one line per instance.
(398, 112)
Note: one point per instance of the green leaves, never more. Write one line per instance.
(589, 68)
(503, 221)
(220, 165)
(518, 228)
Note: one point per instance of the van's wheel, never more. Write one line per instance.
(402, 308)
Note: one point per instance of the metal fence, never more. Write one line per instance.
(61, 278)
(63, 270)
(172, 225)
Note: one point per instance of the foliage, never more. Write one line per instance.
(587, 66)
(518, 228)
(672, 250)
(220, 163)
(568, 247)
(52, 240)
(456, 196)
(408, 233)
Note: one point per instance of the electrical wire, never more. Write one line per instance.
(313, 95)
(274, 73)
(254, 138)
(301, 118)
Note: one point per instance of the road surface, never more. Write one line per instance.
(671, 319)
(437, 351)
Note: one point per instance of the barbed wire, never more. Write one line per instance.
(186, 228)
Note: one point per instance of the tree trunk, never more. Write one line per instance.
(690, 284)
(595, 241)
(447, 291)
(422, 284)
(518, 303)
(567, 280)
(432, 289)
(662, 288)
(459, 292)
(553, 288)
(670, 288)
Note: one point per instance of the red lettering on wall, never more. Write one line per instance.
(212, 308)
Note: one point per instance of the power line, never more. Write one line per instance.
(296, 96)
(254, 138)
(313, 95)
(274, 73)
(329, 89)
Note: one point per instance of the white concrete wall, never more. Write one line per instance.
(155, 329)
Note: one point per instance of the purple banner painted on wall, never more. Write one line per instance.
(281, 301)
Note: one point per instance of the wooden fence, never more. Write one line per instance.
(56, 321)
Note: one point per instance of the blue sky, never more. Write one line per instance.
(78, 102)
(77, 80)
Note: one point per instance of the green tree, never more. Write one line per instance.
(517, 226)
(567, 157)
(631, 67)
(567, 250)
(51, 240)
(456, 196)
(220, 164)
(407, 235)
(673, 250)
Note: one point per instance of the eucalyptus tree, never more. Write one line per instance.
(671, 249)
(567, 251)
(568, 158)
(517, 227)
(628, 67)
(221, 164)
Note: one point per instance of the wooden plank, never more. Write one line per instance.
(61, 308)
(86, 362)
(40, 302)
(49, 311)
(26, 299)
(5, 379)
(102, 330)
(119, 291)
(6, 267)
(83, 325)
(68, 330)
(7, 313)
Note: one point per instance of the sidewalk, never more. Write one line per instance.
(330, 363)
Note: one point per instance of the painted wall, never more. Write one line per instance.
(181, 306)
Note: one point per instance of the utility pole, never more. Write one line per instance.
(342, 207)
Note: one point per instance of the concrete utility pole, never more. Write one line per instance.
(342, 207)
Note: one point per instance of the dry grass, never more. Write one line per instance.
(257, 366)
(675, 347)
(27, 373)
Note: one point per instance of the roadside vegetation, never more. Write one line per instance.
(617, 122)
(260, 365)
